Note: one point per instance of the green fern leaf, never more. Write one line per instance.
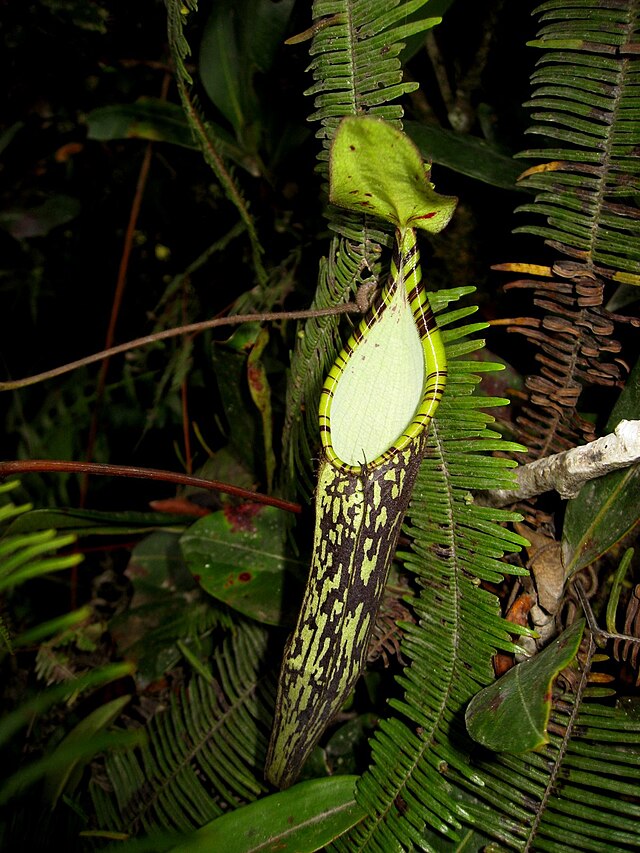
(586, 99)
(455, 544)
(355, 59)
(579, 793)
(28, 555)
(204, 754)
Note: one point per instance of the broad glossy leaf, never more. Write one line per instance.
(239, 556)
(156, 565)
(512, 714)
(164, 600)
(468, 155)
(302, 819)
(220, 66)
(38, 221)
(236, 43)
(607, 508)
(147, 118)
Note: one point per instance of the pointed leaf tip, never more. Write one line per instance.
(512, 714)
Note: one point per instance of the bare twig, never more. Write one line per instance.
(191, 328)
(52, 465)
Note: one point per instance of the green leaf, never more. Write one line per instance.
(71, 754)
(238, 555)
(302, 819)
(65, 775)
(230, 364)
(165, 608)
(239, 40)
(52, 627)
(23, 716)
(32, 555)
(220, 66)
(512, 714)
(156, 565)
(465, 154)
(39, 220)
(606, 508)
(147, 118)
(375, 168)
(261, 396)
(87, 522)
(603, 513)
(616, 589)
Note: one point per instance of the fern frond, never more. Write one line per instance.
(316, 345)
(575, 341)
(586, 95)
(28, 555)
(8, 509)
(455, 545)
(588, 87)
(177, 13)
(355, 60)
(204, 754)
(580, 792)
(22, 557)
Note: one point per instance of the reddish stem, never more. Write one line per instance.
(184, 399)
(115, 311)
(51, 465)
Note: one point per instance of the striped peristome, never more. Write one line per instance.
(360, 504)
(405, 285)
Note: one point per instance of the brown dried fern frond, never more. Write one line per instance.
(574, 346)
(586, 182)
(387, 633)
(627, 650)
(587, 85)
